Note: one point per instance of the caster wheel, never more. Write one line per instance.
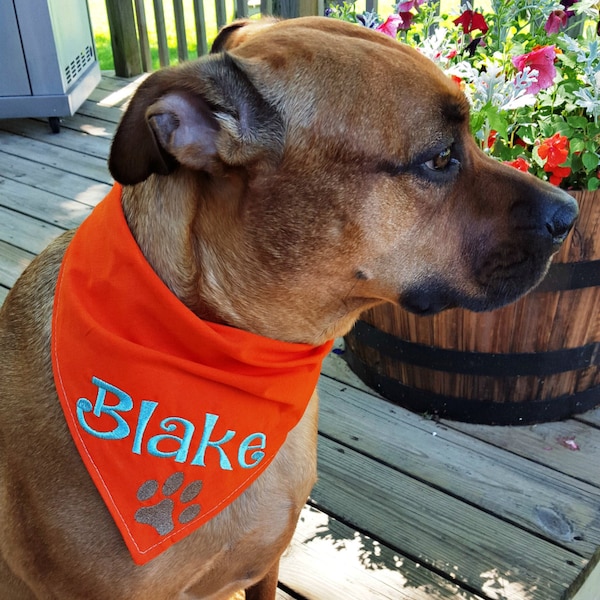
(54, 123)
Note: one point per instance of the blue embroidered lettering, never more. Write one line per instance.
(170, 424)
(209, 424)
(249, 453)
(125, 404)
(147, 409)
(247, 445)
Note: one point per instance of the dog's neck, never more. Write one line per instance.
(213, 266)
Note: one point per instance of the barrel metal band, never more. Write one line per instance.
(477, 363)
(571, 276)
(474, 411)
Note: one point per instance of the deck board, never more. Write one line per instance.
(405, 508)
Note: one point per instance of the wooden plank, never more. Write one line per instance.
(475, 548)
(288, 9)
(3, 294)
(221, 13)
(69, 139)
(556, 506)
(200, 21)
(123, 38)
(592, 417)
(266, 7)
(91, 108)
(44, 206)
(25, 232)
(182, 49)
(13, 262)
(587, 585)
(50, 179)
(241, 9)
(335, 367)
(329, 560)
(569, 447)
(142, 29)
(161, 34)
(55, 155)
(308, 8)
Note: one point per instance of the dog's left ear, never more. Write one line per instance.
(201, 115)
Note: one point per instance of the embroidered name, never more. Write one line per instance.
(248, 454)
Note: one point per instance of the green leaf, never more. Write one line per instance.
(577, 122)
(590, 160)
(576, 145)
(593, 184)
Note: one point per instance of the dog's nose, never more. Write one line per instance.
(561, 215)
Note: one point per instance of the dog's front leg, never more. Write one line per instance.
(266, 588)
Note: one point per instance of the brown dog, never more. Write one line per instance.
(306, 170)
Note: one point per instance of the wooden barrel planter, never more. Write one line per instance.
(534, 361)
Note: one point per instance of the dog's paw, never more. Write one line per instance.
(161, 514)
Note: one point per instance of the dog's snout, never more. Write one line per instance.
(561, 218)
(549, 213)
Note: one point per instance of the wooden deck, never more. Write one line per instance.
(405, 508)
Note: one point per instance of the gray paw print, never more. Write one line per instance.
(161, 514)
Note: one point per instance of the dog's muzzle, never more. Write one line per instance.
(504, 270)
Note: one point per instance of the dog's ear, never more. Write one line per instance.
(201, 115)
(239, 31)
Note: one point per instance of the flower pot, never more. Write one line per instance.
(533, 361)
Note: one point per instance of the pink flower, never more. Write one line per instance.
(406, 6)
(391, 26)
(470, 20)
(542, 60)
(556, 21)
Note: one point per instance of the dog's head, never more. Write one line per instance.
(331, 168)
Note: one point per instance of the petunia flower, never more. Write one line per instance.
(406, 6)
(390, 26)
(556, 21)
(470, 21)
(542, 60)
(406, 18)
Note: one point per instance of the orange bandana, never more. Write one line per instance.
(174, 417)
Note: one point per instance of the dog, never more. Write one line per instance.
(303, 172)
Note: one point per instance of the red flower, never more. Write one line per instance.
(458, 81)
(542, 60)
(519, 163)
(470, 20)
(492, 138)
(555, 151)
(558, 174)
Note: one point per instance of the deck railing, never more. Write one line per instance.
(128, 24)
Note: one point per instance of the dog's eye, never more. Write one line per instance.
(441, 161)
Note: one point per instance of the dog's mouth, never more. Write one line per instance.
(434, 296)
(428, 299)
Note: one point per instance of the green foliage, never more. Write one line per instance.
(502, 59)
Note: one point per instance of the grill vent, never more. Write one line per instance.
(78, 64)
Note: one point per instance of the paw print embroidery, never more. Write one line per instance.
(161, 514)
